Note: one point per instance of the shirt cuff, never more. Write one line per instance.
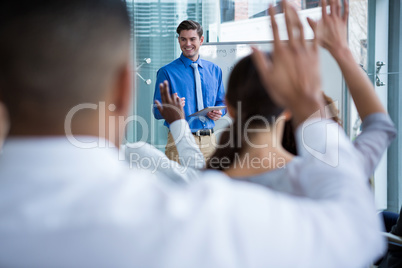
(178, 129)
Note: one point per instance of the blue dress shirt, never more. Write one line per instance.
(180, 76)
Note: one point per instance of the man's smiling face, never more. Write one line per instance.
(190, 43)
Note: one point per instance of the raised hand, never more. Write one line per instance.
(172, 106)
(292, 78)
(331, 30)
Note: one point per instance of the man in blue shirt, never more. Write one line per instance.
(182, 78)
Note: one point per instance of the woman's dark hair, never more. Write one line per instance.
(289, 141)
(254, 108)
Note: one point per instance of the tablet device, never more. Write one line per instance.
(204, 111)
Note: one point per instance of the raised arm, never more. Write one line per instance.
(378, 129)
(171, 110)
(292, 78)
(191, 159)
(331, 33)
(330, 179)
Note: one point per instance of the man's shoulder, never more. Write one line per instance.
(209, 64)
(172, 65)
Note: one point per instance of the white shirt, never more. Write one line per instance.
(61, 206)
(143, 155)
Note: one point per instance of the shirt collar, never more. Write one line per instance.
(187, 62)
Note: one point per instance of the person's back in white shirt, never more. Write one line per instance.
(84, 208)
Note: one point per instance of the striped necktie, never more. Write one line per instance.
(200, 102)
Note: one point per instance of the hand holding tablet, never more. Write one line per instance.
(204, 111)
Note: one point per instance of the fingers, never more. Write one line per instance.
(274, 25)
(296, 24)
(264, 69)
(171, 107)
(301, 29)
(167, 98)
(179, 103)
(217, 113)
(159, 106)
(167, 90)
(324, 14)
(332, 5)
(313, 26)
(288, 20)
(312, 23)
(176, 100)
(265, 73)
(165, 94)
(345, 11)
(335, 7)
(213, 115)
(338, 8)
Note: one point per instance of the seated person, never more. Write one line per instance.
(251, 149)
(145, 156)
(390, 219)
(393, 257)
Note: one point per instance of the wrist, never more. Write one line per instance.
(312, 107)
(341, 53)
(173, 119)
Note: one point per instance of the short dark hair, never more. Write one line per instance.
(57, 54)
(190, 25)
